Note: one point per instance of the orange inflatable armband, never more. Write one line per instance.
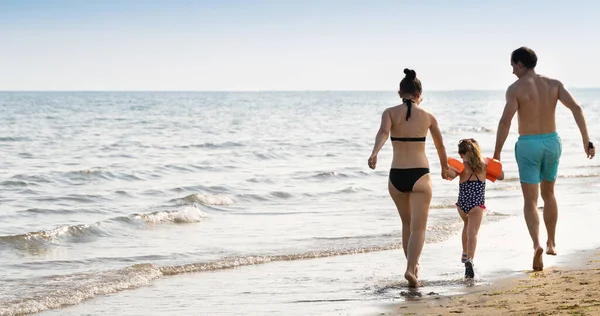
(494, 169)
(456, 164)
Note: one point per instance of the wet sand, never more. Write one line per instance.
(561, 290)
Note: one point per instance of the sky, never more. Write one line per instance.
(252, 45)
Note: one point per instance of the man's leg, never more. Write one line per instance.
(550, 214)
(549, 174)
(529, 154)
(530, 197)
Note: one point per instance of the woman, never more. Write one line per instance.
(409, 180)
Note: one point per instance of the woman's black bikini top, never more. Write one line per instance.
(409, 103)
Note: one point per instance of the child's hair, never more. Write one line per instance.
(471, 147)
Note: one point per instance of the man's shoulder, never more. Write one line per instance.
(548, 79)
(514, 87)
(523, 84)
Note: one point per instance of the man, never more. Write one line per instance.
(538, 149)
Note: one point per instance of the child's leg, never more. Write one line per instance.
(474, 221)
(465, 219)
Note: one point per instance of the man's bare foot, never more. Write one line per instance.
(538, 263)
(550, 249)
(412, 279)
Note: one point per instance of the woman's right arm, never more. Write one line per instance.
(438, 140)
(381, 137)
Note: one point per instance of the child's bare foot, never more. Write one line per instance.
(412, 279)
(538, 263)
(550, 249)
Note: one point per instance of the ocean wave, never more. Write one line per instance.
(52, 235)
(32, 178)
(189, 214)
(587, 175)
(345, 238)
(330, 174)
(270, 155)
(281, 194)
(80, 198)
(260, 180)
(86, 232)
(442, 206)
(270, 196)
(14, 139)
(101, 174)
(504, 188)
(209, 199)
(60, 291)
(253, 197)
(74, 177)
(211, 145)
(496, 214)
(50, 211)
(351, 189)
(474, 129)
(12, 183)
(17, 297)
(234, 262)
(562, 176)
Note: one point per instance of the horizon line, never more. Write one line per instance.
(267, 90)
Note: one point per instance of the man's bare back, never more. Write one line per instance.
(537, 97)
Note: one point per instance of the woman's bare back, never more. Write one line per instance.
(409, 136)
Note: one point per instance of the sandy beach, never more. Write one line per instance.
(572, 290)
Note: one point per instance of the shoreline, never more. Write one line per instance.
(571, 288)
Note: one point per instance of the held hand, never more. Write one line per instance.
(452, 173)
(445, 173)
(372, 161)
(589, 149)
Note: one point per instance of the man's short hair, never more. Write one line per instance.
(526, 56)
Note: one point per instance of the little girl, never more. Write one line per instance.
(471, 197)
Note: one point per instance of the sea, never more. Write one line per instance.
(253, 203)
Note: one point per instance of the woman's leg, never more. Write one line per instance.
(402, 202)
(420, 199)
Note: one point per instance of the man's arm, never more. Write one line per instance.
(567, 100)
(511, 107)
(438, 141)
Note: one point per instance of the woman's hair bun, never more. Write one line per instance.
(410, 74)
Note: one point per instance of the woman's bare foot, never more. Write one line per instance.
(550, 249)
(412, 279)
(538, 263)
(417, 271)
